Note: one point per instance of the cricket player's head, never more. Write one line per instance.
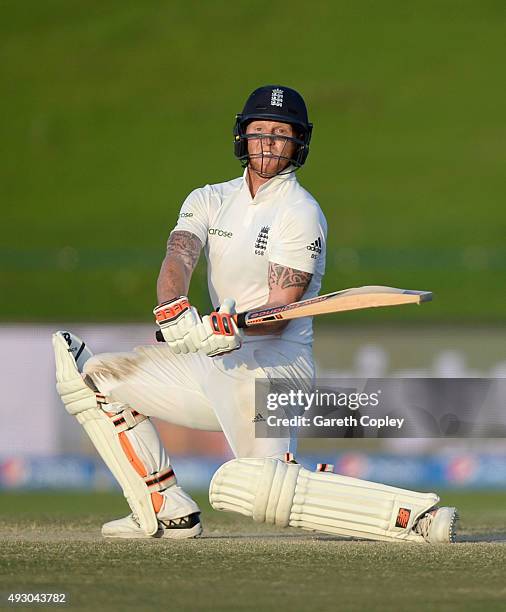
(272, 134)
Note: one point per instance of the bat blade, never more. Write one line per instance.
(358, 298)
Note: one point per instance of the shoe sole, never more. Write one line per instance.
(183, 534)
(171, 534)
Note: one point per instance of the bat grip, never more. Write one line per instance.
(240, 320)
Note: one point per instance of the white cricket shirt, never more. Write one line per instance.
(282, 224)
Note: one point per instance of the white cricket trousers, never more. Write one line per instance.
(200, 392)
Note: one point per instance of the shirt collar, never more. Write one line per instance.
(272, 184)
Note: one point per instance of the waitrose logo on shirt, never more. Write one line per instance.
(214, 231)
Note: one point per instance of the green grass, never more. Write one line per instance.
(112, 113)
(51, 541)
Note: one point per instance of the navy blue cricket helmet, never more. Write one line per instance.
(274, 103)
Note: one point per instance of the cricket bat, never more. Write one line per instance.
(370, 296)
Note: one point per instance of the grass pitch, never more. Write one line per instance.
(52, 542)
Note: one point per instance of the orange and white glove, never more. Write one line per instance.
(176, 318)
(218, 333)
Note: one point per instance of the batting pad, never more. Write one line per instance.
(81, 401)
(284, 494)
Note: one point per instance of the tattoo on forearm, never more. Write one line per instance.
(288, 277)
(185, 246)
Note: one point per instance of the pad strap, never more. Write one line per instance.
(324, 467)
(159, 481)
(123, 421)
(126, 420)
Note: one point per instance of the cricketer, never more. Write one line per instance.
(264, 240)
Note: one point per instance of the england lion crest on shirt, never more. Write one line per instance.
(261, 241)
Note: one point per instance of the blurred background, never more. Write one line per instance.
(112, 112)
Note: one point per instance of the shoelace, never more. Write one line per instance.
(179, 521)
(135, 519)
(422, 527)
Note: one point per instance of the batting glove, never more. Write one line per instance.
(176, 318)
(218, 333)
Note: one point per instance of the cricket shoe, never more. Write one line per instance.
(175, 529)
(178, 518)
(437, 526)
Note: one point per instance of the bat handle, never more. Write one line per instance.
(240, 321)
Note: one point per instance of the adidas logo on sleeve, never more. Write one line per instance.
(316, 247)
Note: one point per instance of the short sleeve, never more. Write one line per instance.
(194, 215)
(299, 237)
